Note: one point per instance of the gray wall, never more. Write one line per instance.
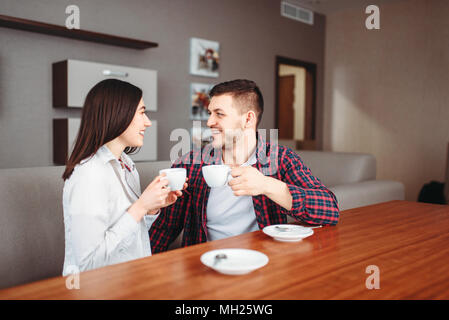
(251, 33)
(387, 90)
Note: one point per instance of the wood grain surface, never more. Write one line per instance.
(407, 241)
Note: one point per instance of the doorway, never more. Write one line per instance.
(296, 102)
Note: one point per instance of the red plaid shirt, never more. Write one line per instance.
(312, 202)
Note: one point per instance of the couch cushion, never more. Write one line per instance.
(31, 224)
(365, 193)
(335, 168)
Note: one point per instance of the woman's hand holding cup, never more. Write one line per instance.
(173, 196)
(157, 195)
(177, 178)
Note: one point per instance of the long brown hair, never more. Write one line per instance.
(108, 110)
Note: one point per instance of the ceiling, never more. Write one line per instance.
(329, 6)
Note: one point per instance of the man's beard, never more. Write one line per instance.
(232, 138)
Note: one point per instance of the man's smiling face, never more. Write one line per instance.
(225, 120)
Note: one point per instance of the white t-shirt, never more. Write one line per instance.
(229, 215)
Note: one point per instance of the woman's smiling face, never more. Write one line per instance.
(134, 134)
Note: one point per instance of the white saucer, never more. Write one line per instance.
(293, 233)
(237, 261)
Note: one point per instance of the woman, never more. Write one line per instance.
(104, 210)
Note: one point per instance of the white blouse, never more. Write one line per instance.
(98, 229)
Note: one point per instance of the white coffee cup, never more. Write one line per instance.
(176, 177)
(216, 175)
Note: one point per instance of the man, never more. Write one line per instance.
(268, 181)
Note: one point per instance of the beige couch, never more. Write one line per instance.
(352, 178)
(31, 218)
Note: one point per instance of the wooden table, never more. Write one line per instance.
(407, 241)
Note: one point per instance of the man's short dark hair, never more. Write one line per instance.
(245, 92)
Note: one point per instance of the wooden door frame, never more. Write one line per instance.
(310, 67)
